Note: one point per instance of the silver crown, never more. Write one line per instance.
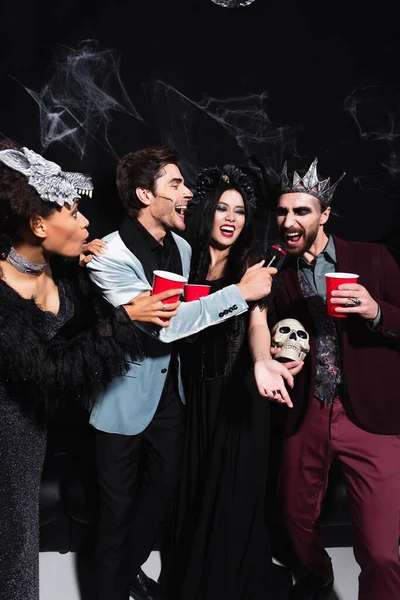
(309, 184)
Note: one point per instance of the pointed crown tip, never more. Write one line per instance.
(309, 183)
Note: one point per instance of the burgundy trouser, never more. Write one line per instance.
(371, 468)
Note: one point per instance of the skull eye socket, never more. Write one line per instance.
(284, 329)
(302, 334)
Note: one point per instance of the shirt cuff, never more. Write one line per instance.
(375, 322)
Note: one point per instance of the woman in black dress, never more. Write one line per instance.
(220, 547)
(52, 349)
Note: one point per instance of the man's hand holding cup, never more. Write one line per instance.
(345, 296)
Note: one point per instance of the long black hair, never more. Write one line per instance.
(211, 183)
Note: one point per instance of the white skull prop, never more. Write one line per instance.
(294, 341)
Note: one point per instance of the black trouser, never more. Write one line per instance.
(137, 475)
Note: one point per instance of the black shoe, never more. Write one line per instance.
(144, 588)
(311, 588)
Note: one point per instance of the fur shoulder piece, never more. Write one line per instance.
(22, 345)
(79, 362)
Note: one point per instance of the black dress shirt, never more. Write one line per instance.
(154, 256)
(149, 251)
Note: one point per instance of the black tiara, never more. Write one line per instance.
(210, 178)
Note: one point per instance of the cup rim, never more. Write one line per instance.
(200, 285)
(170, 276)
(338, 275)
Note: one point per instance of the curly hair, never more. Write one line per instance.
(19, 202)
(211, 183)
(141, 169)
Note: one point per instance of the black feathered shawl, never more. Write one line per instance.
(82, 358)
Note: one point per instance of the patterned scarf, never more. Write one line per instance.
(328, 373)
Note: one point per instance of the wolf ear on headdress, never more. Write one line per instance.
(309, 184)
(16, 160)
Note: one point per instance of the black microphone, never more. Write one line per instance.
(276, 255)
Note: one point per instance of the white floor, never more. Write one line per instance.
(58, 579)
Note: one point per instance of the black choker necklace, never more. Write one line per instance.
(23, 264)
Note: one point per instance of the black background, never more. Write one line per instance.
(313, 60)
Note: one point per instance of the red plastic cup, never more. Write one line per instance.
(333, 280)
(163, 281)
(194, 291)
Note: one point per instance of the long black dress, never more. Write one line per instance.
(221, 545)
(45, 359)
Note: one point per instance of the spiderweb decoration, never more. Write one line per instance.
(232, 3)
